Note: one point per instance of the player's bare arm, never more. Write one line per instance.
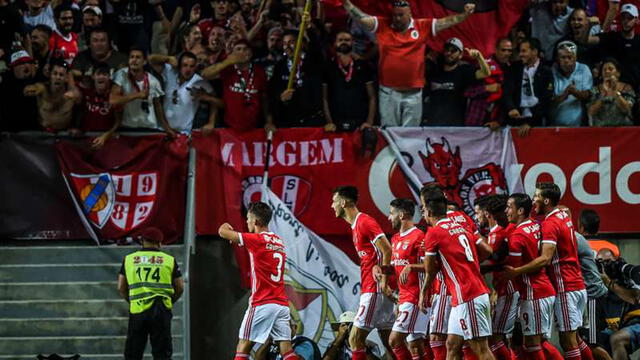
(383, 245)
(538, 263)
(123, 287)
(366, 20)
(430, 269)
(452, 20)
(226, 232)
(484, 250)
(404, 275)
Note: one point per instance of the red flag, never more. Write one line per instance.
(130, 184)
(492, 19)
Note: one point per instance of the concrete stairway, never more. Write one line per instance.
(64, 299)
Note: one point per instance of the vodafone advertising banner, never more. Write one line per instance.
(596, 168)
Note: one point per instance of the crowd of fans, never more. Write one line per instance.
(177, 65)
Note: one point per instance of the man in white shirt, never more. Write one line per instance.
(138, 94)
(184, 90)
(39, 14)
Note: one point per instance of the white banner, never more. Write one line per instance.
(466, 162)
(322, 281)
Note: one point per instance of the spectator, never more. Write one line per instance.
(98, 113)
(184, 88)
(99, 52)
(303, 347)
(549, 24)
(56, 99)
(192, 40)
(244, 89)
(348, 92)
(139, 93)
(221, 14)
(491, 90)
(580, 29)
(40, 13)
(528, 89)
(623, 45)
(248, 11)
(217, 40)
(302, 105)
(132, 26)
(274, 51)
(91, 19)
(572, 84)
(611, 101)
(40, 36)
(401, 43)
(22, 74)
(339, 348)
(448, 79)
(64, 42)
(11, 27)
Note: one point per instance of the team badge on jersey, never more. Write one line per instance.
(294, 191)
(124, 200)
(415, 34)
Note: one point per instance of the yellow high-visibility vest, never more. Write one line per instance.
(149, 275)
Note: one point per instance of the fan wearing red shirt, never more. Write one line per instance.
(244, 89)
(402, 41)
(63, 41)
(537, 295)
(448, 242)
(374, 250)
(268, 313)
(406, 258)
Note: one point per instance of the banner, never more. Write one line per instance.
(130, 184)
(492, 19)
(35, 202)
(595, 168)
(467, 162)
(321, 281)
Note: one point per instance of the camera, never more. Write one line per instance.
(625, 274)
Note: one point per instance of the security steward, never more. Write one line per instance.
(150, 281)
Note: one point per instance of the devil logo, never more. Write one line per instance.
(445, 166)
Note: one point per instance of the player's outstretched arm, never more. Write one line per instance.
(226, 232)
(452, 20)
(548, 249)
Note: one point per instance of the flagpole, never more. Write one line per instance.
(298, 48)
(267, 163)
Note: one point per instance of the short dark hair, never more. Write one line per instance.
(139, 48)
(99, 30)
(102, 68)
(437, 206)
(481, 201)
(187, 54)
(44, 28)
(405, 205)
(610, 60)
(522, 201)
(291, 32)
(534, 44)
(501, 40)
(347, 192)
(59, 62)
(431, 190)
(60, 9)
(454, 204)
(549, 190)
(496, 204)
(261, 211)
(590, 221)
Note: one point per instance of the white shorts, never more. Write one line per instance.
(568, 309)
(266, 320)
(375, 311)
(505, 314)
(535, 316)
(471, 320)
(411, 320)
(440, 311)
(421, 335)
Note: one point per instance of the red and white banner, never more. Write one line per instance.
(596, 168)
(130, 184)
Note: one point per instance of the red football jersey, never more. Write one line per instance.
(564, 271)
(459, 258)
(402, 52)
(464, 220)
(366, 232)
(497, 237)
(65, 47)
(407, 250)
(524, 247)
(267, 258)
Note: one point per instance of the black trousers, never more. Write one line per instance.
(153, 324)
